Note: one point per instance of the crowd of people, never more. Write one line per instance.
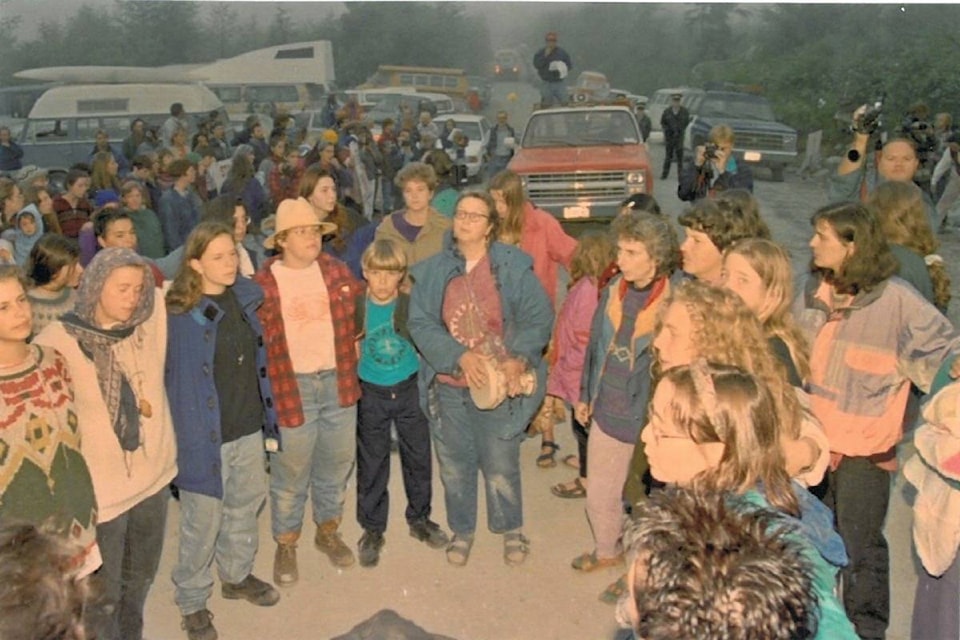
(161, 329)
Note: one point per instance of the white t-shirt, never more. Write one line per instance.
(307, 323)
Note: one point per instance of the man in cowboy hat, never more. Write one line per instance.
(308, 316)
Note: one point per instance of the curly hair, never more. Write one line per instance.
(725, 331)
(593, 254)
(772, 264)
(187, 288)
(900, 208)
(725, 404)
(40, 595)
(657, 235)
(708, 567)
(419, 171)
(871, 262)
(509, 185)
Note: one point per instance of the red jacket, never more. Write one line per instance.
(346, 292)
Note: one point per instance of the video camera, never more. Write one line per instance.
(870, 120)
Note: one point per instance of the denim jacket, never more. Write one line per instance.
(527, 324)
(193, 395)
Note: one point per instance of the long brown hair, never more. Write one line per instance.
(508, 183)
(100, 178)
(187, 288)
(902, 213)
(721, 403)
(871, 262)
(339, 215)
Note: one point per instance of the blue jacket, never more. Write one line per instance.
(193, 395)
(527, 324)
(602, 333)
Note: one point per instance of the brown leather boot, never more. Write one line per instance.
(328, 541)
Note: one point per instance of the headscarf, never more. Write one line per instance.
(97, 342)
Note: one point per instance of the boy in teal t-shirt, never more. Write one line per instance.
(388, 379)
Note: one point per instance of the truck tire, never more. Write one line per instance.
(776, 172)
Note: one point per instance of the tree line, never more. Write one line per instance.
(810, 60)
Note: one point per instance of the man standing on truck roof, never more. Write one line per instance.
(553, 64)
(674, 123)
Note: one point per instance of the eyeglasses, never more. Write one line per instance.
(469, 216)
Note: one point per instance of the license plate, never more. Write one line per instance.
(576, 212)
(752, 156)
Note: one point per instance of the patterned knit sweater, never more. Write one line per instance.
(44, 479)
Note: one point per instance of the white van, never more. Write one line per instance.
(62, 126)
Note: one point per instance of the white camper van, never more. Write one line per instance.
(63, 123)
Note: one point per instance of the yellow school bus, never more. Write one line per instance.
(452, 82)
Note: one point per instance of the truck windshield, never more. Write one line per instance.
(580, 128)
(739, 107)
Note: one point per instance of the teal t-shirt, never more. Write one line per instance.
(386, 358)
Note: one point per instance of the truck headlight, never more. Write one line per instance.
(635, 177)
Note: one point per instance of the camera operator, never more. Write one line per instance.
(897, 161)
(714, 169)
(946, 178)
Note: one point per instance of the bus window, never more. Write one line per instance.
(87, 128)
(117, 127)
(43, 129)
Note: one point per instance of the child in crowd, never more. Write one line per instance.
(388, 380)
(594, 252)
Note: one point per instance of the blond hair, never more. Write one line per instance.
(725, 331)
(771, 262)
(384, 254)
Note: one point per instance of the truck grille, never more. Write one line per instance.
(773, 141)
(567, 187)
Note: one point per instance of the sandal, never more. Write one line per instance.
(547, 460)
(516, 546)
(458, 551)
(588, 562)
(572, 461)
(613, 593)
(565, 490)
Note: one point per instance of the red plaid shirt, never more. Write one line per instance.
(346, 292)
(284, 185)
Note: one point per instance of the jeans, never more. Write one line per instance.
(317, 457)
(859, 492)
(222, 529)
(466, 445)
(496, 164)
(378, 407)
(553, 94)
(130, 545)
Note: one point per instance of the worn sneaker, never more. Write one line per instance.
(252, 589)
(199, 625)
(368, 549)
(426, 530)
(285, 571)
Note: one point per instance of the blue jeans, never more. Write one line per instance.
(222, 529)
(553, 94)
(131, 545)
(466, 445)
(317, 457)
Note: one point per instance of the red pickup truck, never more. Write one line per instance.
(580, 163)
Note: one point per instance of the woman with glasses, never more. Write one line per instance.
(481, 321)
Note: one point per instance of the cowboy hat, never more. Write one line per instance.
(296, 213)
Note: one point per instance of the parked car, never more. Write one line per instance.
(580, 163)
(759, 139)
(591, 86)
